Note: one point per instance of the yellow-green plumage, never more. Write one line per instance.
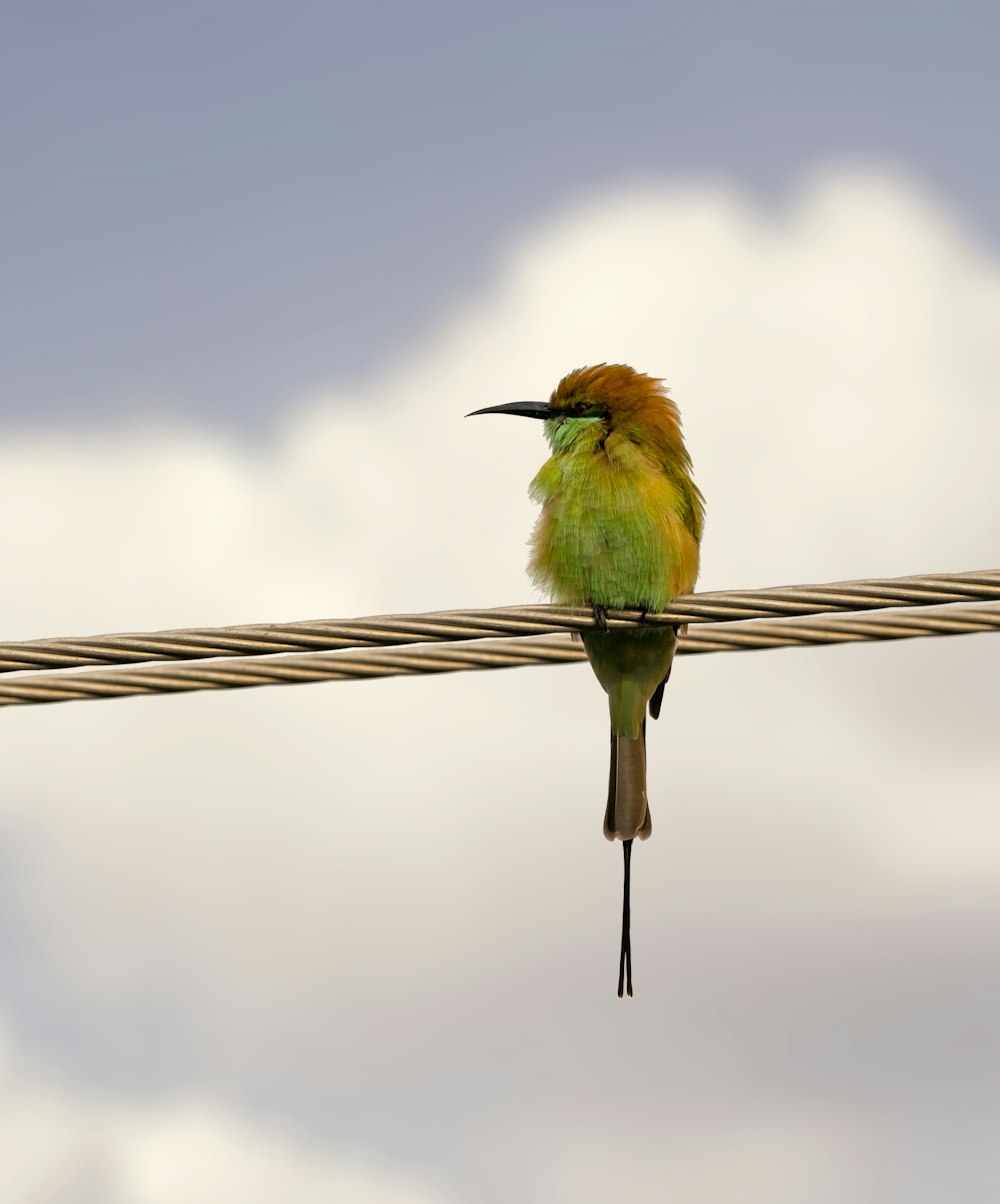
(621, 517)
(620, 526)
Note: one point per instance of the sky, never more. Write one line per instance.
(211, 207)
(359, 941)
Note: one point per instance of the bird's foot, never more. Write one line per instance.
(600, 616)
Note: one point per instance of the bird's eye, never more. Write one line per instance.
(580, 409)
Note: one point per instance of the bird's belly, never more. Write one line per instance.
(606, 539)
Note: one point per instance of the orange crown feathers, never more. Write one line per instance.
(636, 403)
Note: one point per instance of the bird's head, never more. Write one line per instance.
(592, 402)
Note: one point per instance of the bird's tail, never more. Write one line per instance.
(627, 814)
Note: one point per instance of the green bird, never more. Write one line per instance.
(620, 527)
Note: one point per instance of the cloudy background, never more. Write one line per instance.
(359, 941)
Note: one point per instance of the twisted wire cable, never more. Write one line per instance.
(499, 654)
(198, 643)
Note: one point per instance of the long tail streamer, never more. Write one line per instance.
(625, 961)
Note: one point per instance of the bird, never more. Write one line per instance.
(620, 528)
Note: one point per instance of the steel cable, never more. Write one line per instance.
(500, 654)
(322, 635)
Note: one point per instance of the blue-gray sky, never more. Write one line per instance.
(208, 206)
(359, 941)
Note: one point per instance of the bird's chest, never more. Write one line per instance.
(605, 498)
(601, 536)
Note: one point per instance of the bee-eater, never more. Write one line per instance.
(620, 527)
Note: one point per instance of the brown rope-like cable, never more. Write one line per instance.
(318, 635)
(500, 654)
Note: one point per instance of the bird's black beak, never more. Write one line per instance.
(526, 409)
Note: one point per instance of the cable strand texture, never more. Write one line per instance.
(324, 635)
(355, 664)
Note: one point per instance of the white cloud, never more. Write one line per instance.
(59, 1145)
(404, 882)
